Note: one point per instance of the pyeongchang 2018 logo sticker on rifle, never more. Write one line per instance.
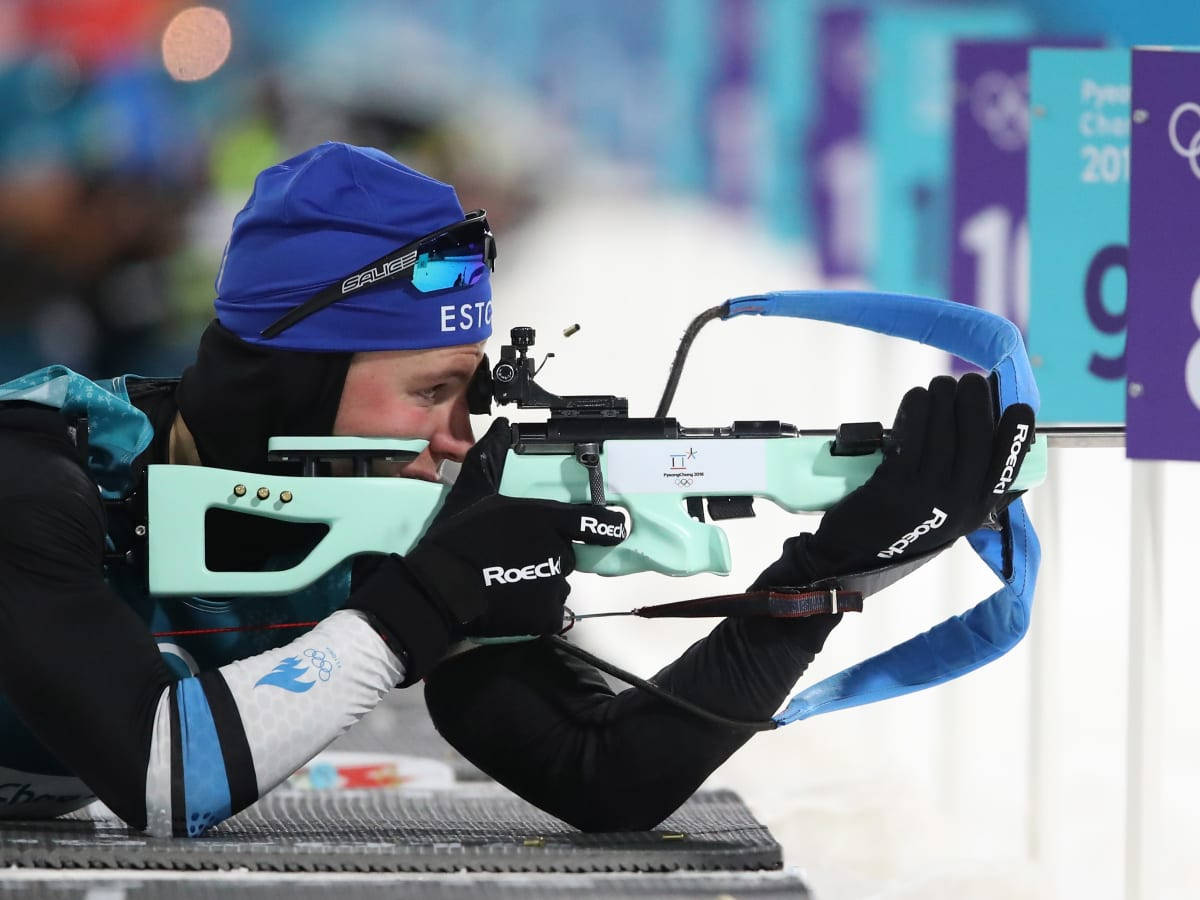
(683, 469)
(712, 466)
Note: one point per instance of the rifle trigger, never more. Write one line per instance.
(588, 456)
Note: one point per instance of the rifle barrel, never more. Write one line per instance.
(1083, 435)
(1058, 435)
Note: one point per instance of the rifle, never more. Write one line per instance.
(589, 450)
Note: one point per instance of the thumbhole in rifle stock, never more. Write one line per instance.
(243, 542)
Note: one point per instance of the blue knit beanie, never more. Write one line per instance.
(322, 215)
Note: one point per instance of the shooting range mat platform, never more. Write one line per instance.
(474, 886)
(477, 828)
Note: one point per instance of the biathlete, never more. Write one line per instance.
(322, 328)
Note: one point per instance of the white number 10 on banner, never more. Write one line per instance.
(1001, 253)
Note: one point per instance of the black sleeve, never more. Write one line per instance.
(76, 663)
(548, 727)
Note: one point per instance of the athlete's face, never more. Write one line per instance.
(412, 394)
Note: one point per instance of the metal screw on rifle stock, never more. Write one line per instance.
(140, 530)
(263, 493)
(1135, 389)
(1141, 115)
(285, 496)
(239, 490)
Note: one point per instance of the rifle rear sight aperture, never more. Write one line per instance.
(512, 382)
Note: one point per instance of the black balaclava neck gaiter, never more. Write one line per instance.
(238, 395)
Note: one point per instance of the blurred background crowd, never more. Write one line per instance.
(130, 130)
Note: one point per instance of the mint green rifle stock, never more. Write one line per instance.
(650, 479)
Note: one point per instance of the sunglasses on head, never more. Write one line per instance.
(456, 256)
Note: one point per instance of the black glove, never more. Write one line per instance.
(488, 565)
(945, 475)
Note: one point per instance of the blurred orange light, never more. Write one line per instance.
(196, 43)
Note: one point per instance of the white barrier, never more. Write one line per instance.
(1144, 726)
(1046, 634)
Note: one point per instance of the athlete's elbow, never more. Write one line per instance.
(598, 816)
(616, 822)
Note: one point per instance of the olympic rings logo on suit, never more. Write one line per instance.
(321, 663)
(1191, 150)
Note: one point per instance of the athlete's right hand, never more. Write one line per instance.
(946, 473)
(488, 565)
(498, 565)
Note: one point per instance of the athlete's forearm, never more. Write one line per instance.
(548, 727)
(89, 683)
(223, 739)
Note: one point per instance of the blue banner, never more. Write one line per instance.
(688, 63)
(784, 76)
(1079, 231)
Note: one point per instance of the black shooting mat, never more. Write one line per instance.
(464, 886)
(478, 827)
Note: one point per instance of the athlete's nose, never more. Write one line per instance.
(452, 436)
(448, 446)
(450, 439)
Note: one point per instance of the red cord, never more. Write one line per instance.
(233, 628)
